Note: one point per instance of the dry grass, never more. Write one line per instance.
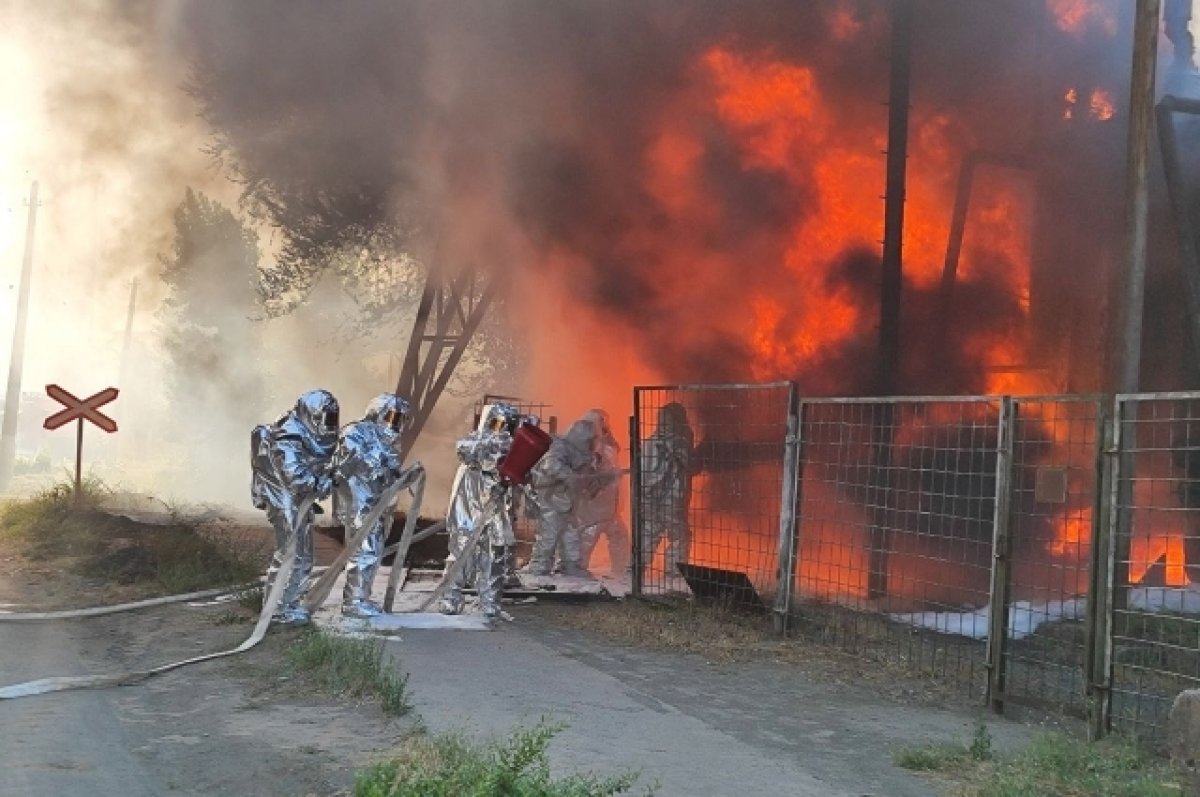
(1054, 765)
(70, 553)
(725, 636)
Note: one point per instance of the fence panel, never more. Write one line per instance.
(896, 510)
(1053, 499)
(710, 462)
(1155, 644)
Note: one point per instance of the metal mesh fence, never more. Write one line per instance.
(709, 475)
(895, 511)
(1053, 495)
(1154, 648)
(1030, 549)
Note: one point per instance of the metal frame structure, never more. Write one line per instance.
(453, 305)
(1178, 196)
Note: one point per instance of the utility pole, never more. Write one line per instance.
(12, 398)
(883, 429)
(125, 346)
(1114, 534)
(899, 93)
(1137, 193)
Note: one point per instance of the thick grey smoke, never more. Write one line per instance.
(523, 128)
(539, 138)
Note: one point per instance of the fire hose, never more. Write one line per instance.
(99, 611)
(270, 602)
(315, 597)
(319, 591)
(460, 560)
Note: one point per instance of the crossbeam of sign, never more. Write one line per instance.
(77, 408)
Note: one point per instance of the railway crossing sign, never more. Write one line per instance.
(80, 410)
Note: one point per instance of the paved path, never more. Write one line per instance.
(696, 729)
(64, 744)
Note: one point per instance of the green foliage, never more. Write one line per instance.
(354, 667)
(981, 743)
(29, 518)
(450, 766)
(212, 276)
(1053, 765)
(935, 758)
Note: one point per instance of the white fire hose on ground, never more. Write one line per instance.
(63, 683)
(468, 552)
(314, 598)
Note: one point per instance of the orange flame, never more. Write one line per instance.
(1102, 106)
(1077, 16)
(782, 122)
(1145, 552)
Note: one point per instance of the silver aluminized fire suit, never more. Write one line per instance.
(555, 482)
(598, 512)
(368, 462)
(666, 487)
(480, 496)
(290, 464)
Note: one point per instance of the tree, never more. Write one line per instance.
(214, 377)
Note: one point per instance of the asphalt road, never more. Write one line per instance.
(694, 729)
(61, 744)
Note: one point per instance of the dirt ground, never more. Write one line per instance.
(690, 723)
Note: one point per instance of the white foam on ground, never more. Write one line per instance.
(1024, 617)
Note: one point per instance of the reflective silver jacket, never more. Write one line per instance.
(288, 464)
(476, 482)
(365, 464)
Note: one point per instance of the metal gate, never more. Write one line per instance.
(708, 473)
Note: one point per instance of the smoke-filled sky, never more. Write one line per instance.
(672, 191)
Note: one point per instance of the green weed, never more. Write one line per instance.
(450, 766)
(354, 667)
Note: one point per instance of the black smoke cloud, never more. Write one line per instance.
(533, 116)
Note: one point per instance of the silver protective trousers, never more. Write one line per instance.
(616, 537)
(665, 519)
(287, 523)
(485, 568)
(555, 531)
(364, 564)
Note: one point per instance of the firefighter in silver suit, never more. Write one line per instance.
(291, 469)
(666, 487)
(368, 462)
(479, 495)
(555, 482)
(599, 508)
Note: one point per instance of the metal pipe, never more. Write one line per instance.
(1001, 576)
(789, 520)
(1177, 195)
(635, 494)
(962, 202)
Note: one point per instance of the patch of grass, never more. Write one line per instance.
(80, 538)
(450, 766)
(354, 667)
(1053, 765)
(948, 757)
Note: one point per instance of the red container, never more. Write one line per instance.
(529, 444)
